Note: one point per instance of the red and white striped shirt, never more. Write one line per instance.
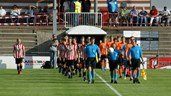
(70, 53)
(76, 51)
(62, 50)
(19, 51)
(82, 50)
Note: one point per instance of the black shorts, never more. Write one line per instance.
(70, 62)
(135, 63)
(19, 60)
(113, 64)
(128, 64)
(75, 62)
(120, 61)
(82, 61)
(91, 62)
(103, 57)
(62, 61)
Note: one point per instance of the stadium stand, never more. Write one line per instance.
(130, 4)
(8, 39)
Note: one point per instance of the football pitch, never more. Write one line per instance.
(48, 82)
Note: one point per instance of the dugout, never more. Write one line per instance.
(86, 31)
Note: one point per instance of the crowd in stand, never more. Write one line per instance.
(123, 15)
(69, 5)
(31, 11)
(118, 16)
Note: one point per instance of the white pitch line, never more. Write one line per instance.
(113, 89)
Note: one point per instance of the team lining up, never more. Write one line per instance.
(72, 57)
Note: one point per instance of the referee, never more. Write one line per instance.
(135, 54)
(91, 50)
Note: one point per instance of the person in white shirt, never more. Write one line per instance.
(165, 16)
(66, 6)
(133, 15)
(2, 11)
(15, 11)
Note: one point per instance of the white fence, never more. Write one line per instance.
(75, 19)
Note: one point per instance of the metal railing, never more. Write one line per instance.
(75, 19)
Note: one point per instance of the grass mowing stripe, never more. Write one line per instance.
(113, 89)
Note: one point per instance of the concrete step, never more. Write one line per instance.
(18, 35)
(164, 35)
(22, 38)
(165, 50)
(9, 44)
(13, 41)
(164, 43)
(164, 39)
(10, 50)
(11, 53)
(16, 31)
(165, 32)
(10, 33)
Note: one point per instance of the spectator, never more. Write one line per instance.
(77, 11)
(113, 9)
(66, 6)
(44, 14)
(133, 15)
(15, 11)
(86, 5)
(30, 13)
(154, 14)
(124, 15)
(2, 11)
(165, 16)
(53, 51)
(143, 16)
(72, 6)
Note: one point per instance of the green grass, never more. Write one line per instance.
(51, 83)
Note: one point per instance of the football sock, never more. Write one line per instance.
(138, 74)
(89, 75)
(130, 73)
(125, 70)
(84, 74)
(111, 75)
(93, 75)
(120, 70)
(115, 76)
(133, 74)
(21, 67)
(80, 70)
(18, 68)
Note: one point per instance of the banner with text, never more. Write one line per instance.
(160, 63)
(30, 62)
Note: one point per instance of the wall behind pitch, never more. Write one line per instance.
(30, 62)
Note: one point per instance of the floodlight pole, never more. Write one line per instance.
(54, 18)
(55, 24)
(95, 11)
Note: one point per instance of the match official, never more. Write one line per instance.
(91, 50)
(135, 54)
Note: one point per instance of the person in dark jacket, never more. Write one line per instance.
(86, 6)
